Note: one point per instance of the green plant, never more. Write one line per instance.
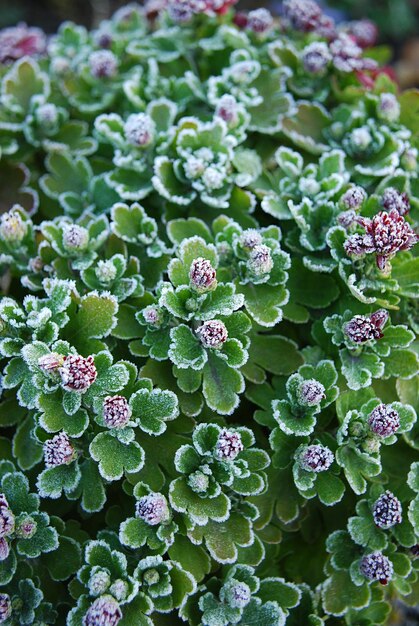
(208, 322)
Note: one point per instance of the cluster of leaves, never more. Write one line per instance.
(208, 322)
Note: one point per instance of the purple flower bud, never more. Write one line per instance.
(119, 589)
(229, 445)
(5, 607)
(250, 238)
(152, 315)
(364, 31)
(26, 527)
(354, 197)
(347, 54)
(388, 108)
(51, 362)
(75, 238)
(99, 582)
(180, 10)
(227, 109)
(202, 275)
(236, 594)
(59, 451)
(394, 200)
(153, 509)
(311, 393)
(20, 41)
(12, 227)
(47, 116)
(259, 20)
(116, 412)
(260, 260)
(140, 130)
(103, 64)
(387, 510)
(104, 40)
(212, 334)
(376, 566)
(387, 234)
(4, 549)
(198, 481)
(347, 218)
(302, 14)
(362, 328)
(316, 458)
(104, 611)
(78, 373)
(384, 421)
(7, 520)
(316, 57)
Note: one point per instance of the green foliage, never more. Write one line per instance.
(208, 323)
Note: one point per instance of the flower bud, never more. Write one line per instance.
(103, 64)
(202, 275)
(51, 362)
(250, 238)
(198, 481)
(310, 393)
(302, 15)
(260, 260)
(384, 421)
(104, 611)
(213, 178)
(59, 451)
(396, 200)
(153, 509)
(7, 520)
(119, 589)
(140, 130)
(4, 549)
(259, 20)
(78, 373)
(26, 526)
(47, 116)
(316, 57)
(5, 607)
(152, 315)
(105, 272)
(388, 108)
(212, 334)
(12, 227)
(75, 238)
(99, 582)
(376, 566)
(316, 458)
(229, 445)
(227, 109)
(362, 328)
(387, 510)
(116, 412)
(354, 197)
(236, 594)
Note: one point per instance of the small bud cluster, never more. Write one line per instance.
(99, 582)
(105, 272)
(354, 197)
(198, 481)
(75, 238)
(386, 234)
(227, 109)
(20, 41)
(260, 260)
(153, 509)
(311, 393)
(316, 57)
(78, 373)
(250, 238)
(51, 362)
(394, 200)
(7, 526)
(47, 116)
(302, 15)
(347, 55)
(152, 315)
(59, 451)
(12, 227)
(364, 31)
(212, 334)
(387, 510)
(316, 458)
(362, 328)
(140, 130)
(26, 527)
(229, 445)
(5, 607)
(104, 611)
(116, 412)
(259, 20)
(376, 566)
(236, 594)
(384, 421)
(202, 275)
(103, 64)
(388, 108)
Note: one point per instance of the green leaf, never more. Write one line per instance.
(186, 351)
(52, 482)
(340, 594)
(151, 409)
(221, 385)
(115, 457)
(65, 560)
